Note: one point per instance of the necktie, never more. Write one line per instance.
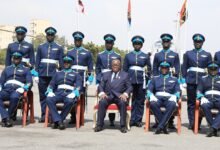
(114, 77)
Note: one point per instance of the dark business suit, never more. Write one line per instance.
(113, 88)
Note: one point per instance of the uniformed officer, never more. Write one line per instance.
(134, 64)
(82, 64)
(217, 59)
(15, 79)
(163, 90)
(21, 46)
(166, 55)
(49, 58)
(103, 63)
(169, 56)
(194, 64)
(115, 87)
(208, 92)
(64, 87)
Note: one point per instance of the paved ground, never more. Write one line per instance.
(35, 136)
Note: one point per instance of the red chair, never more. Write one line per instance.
(176, 113)
(82, 110)
(199, 114)
(60, 107)
(26, 104)
(112, 109)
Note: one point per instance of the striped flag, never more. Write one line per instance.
(129, 12)
(183, 13)
(81, 6)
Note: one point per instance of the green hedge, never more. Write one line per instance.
(2, 56)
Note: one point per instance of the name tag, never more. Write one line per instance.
(171, 56)
(204, 56)
(171, 81)
(113, 57)
(72, 75)
(83, 53)
(142, 57)
(20, 70)
(54, 49)
(25, 46)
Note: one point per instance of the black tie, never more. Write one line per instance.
(114, 77)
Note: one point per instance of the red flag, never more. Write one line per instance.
(81, 6)
(183, 13)
(129, 12)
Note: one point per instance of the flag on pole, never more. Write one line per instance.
(183, 13)
(81, 6)
(129, 12)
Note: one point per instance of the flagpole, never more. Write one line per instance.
(77, 15)
(177, 40)
(128, 38)
(129, 26)
(186, 27)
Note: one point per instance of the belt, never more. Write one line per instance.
(106, 70)
(78, 67)
(84, 68)
(137, 68)
(65, 87)
(196, 69)
(51, 61)
(14, 82)
(26, 60)
(166, 94)
(212, 92)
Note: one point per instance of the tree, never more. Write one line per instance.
(2, 56)
(39, 39)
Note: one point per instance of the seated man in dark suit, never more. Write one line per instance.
(115, 87)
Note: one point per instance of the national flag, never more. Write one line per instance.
(129, 12)
(81, 6)
(183, 13)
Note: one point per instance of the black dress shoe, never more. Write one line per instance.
(14, 118)
(171, 126)
(41, 120)
(132, 124)
(190, 127)
(7, 123)
(98, 129)
(155, 126)
(139, 124)
(112, 124)
(123, 130)
(217, 134)
(158, 131)
(165, 131)
(55, 125)
(211, 132)
(72, 121)
(61, 126)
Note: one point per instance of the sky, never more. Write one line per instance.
(150, 18)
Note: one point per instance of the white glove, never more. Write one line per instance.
(204, 100)
(153, 98)
(51, 94)
(173, 98)
(36, 79)
(20, 90)
(88, 83)
(0, 88)
(184, 85)
(71, 95)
